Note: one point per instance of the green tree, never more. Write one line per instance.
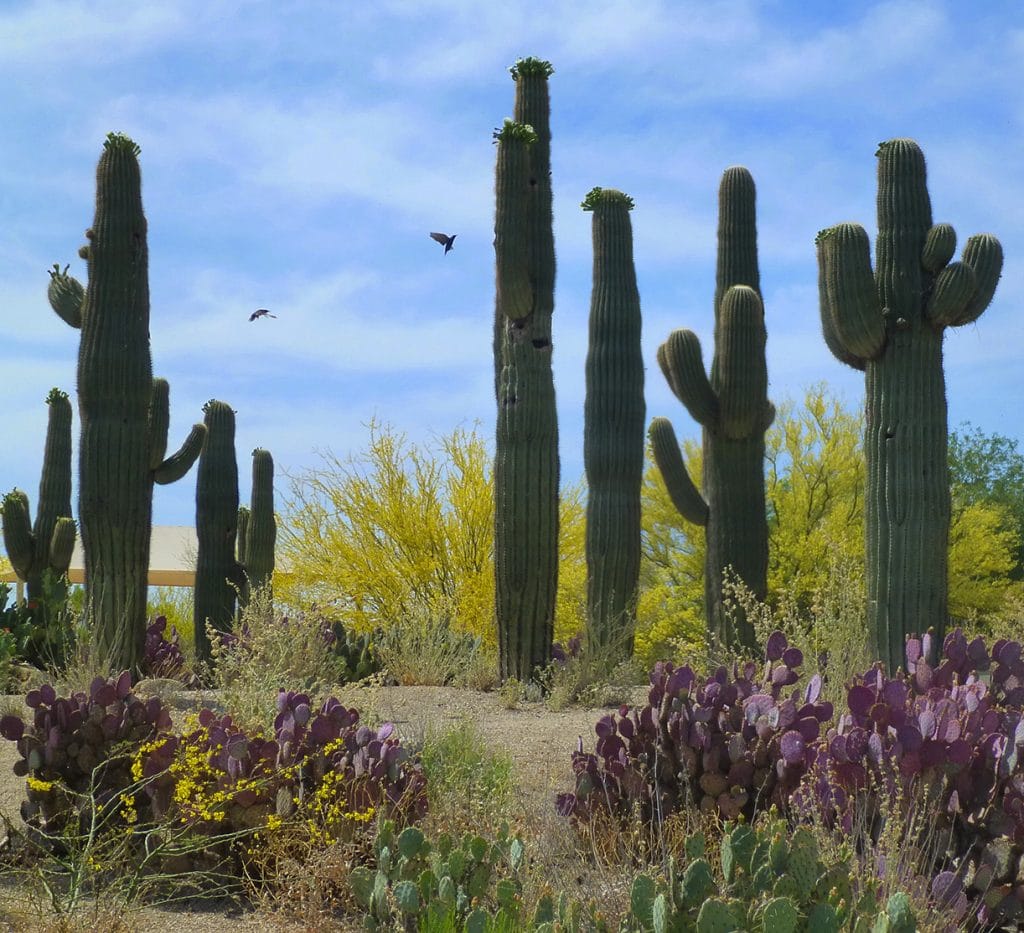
(399, 529)
(989, 468)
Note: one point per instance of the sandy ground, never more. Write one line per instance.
(538, 741)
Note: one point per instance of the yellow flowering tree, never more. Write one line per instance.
(399, 532)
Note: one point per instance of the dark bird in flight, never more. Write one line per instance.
(445, 240)
(262, 312)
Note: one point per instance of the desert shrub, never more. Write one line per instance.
(40, 631)
(582, 675)
(266, 651)
(423, 646)
(468, 786)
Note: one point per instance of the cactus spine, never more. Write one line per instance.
(123, 410)
(526, 447)
(613, 434)
(48, 544)
(733, 409)
(218, 575)
(890, 324)
(257, 527)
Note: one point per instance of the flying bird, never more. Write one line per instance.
(445, 240)
(262, 312)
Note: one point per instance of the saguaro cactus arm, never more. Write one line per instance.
(682, 364)
(17, 530)
(511, 239)
(850, 312)
(66, 295)
(669, 458)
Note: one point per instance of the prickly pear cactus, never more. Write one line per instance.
(890, 323)
(733, 409)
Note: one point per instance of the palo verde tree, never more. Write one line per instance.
(890, 323)
(526, 469)
(613, 426)
(123, 411)
(733, 409)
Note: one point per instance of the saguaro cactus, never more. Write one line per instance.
(218, 574)
(890, 324)
(257, 527)
(526, 448)
(49, 543)
(124, 411)
(613, 432)
(734, 412)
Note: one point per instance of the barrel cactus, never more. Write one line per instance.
(890, 324)
(49, 542)
(613, 433)
(124, 411)
(526, 469)
(733, 409)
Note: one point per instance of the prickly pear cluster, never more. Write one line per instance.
(770, 880)
(733, 743)
(468, 884)
(67, 738)
(562, 654)
(950, 731)
(357, 653)
(162, 655)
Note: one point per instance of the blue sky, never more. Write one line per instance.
(296, 155)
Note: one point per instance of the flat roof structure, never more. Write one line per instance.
(172, 558)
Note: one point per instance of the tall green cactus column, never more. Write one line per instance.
(890, 324)
(257, 527)
(218, 575)
(613, 426)
(734, 412)
(526, 447)
(49, 543)
(124, 412)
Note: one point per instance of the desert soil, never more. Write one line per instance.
(538, 741)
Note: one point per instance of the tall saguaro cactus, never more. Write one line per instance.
(49, 543)
(218, 575)
(123, 410)
(526, 448)
(613, 427)
(890, 324)
(733, 409)
(257, 527)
